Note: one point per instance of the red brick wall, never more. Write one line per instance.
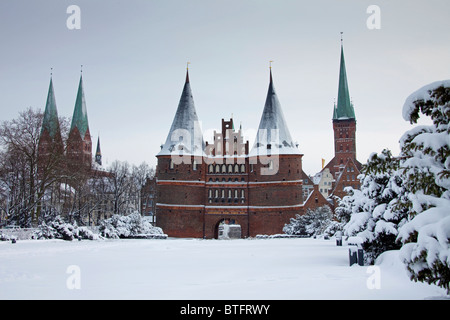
(79, 151)
(289, 168)
(182, 171)
(344, 140)
(180, 222)
(180, 193)
(275, 194)
(270, 221)
(183, 186)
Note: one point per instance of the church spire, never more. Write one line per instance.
(50, 122)
(185, 136)
(79, 144)
(273, 133)
(344, 108)
(80, 118)
(98, 153)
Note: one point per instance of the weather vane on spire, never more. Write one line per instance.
(342, 39)
(81, 69)
(270, 64)
(51, 71)
(187, 65)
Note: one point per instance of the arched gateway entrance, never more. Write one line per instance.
(227, 229)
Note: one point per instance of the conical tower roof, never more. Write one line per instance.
(80, 117)
(273, 135)
(344, 108)
(185, 135)
(98, 153)
(50, 122)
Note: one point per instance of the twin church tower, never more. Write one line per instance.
(79, 143)
(201, 185)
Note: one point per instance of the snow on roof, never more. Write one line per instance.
(420, 94)
(185, 135)
(273, 135)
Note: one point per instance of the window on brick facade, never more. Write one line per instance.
(210, 168)
(194, 165)
(171, 165)
(242, 168)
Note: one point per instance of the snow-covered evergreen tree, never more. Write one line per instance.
(425, 152)
(375, 211)
(313, 222)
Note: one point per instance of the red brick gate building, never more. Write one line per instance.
(202, 184)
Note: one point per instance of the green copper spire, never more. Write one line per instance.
(50, 121)
(344, 108)
(80, 118)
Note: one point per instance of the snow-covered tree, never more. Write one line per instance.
(133, 225)
(375, 210)
(313, 222)
(57, 228)
(426, 166)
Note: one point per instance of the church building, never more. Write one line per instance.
(78, 149)
(344, 167)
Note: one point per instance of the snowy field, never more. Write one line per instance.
(199, 269)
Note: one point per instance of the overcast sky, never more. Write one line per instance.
(134, 56)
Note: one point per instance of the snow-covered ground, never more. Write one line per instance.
(199, 269)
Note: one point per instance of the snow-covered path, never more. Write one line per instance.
(196, 269)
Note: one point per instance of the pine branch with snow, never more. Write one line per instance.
(426, 165)
(375, 210)
(313, 222)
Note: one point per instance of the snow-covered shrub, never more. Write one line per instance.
(130, 226)
(374, 210)
(313, 222)
(426, 166)
(58, 229)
